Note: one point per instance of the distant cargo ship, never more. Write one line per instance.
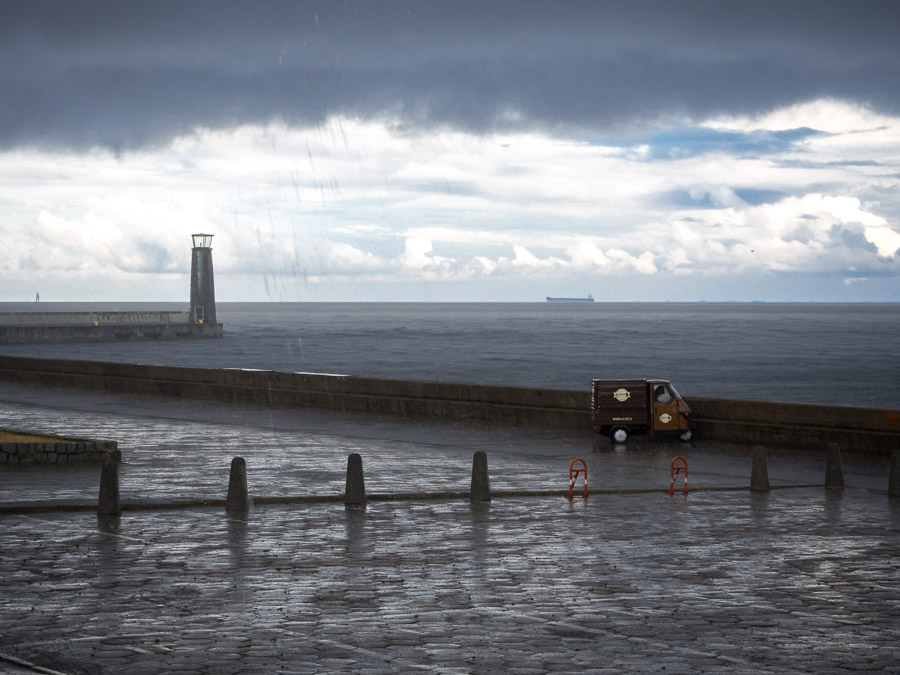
(589, 298)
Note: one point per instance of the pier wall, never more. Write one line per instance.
(873, 430)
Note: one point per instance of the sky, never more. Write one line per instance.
(682, 150)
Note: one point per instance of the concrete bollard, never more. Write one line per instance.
(759, 474)
(481, 483)
(238, 501)
(108, 501)
(894, 481)
(355, 491)
(834, 469)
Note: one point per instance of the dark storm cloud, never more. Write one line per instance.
(127, 74)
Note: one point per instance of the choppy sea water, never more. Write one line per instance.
(820, 353)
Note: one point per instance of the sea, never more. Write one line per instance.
(845, 354)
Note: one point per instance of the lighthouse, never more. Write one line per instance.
(103, 326)
(203, 292)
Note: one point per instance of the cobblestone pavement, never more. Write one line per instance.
(795, 580)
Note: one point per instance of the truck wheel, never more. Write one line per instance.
(619, 435)
(685, 436)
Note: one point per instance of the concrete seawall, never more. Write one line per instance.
(873, 430)
(802, 425)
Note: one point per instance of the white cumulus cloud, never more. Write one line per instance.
(368, 200)
(885, 239)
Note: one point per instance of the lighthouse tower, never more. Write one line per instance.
(203, 292)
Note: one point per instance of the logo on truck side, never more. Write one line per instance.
(621, 419)
(665, 418)
(621, 394)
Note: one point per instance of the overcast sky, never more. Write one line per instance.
(466, 151)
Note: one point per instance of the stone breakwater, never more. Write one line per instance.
(38, 327)
(800, 425)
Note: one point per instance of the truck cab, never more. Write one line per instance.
(620, 408)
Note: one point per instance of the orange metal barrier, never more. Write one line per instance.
(674, 470)
(573, 476)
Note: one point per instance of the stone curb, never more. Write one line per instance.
(26, 666)
(164, 503)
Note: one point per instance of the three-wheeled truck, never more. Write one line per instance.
(620, 408)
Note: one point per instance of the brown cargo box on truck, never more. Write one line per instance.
(621, 408)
